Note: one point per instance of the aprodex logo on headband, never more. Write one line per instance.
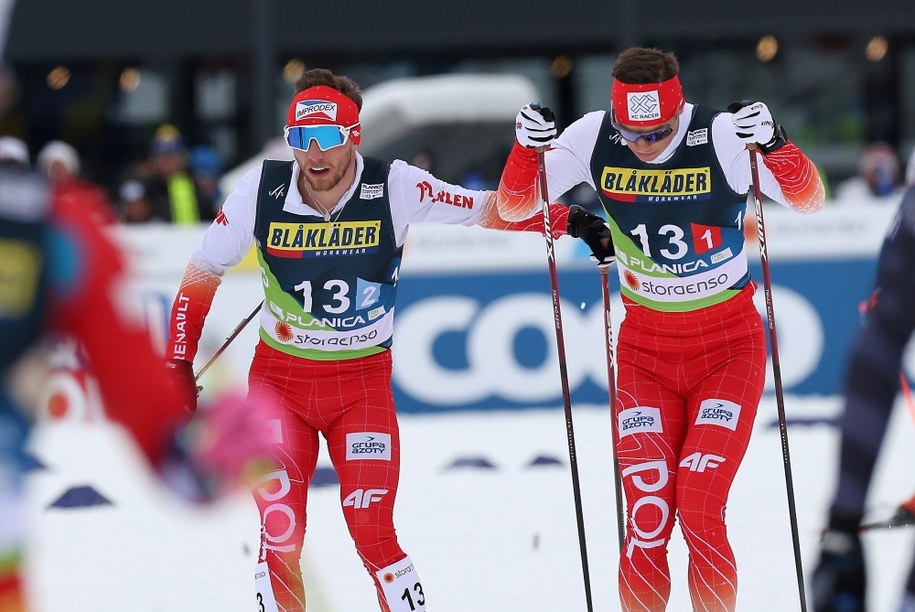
(646, 104)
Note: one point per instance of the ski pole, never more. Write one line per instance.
(611, 387)
(244, 322)
(563, 373)
(777, 372)
(904, 516)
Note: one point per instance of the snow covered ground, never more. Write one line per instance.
(484, 539)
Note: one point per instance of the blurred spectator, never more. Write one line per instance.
(475, 180)
(878, 176)
(206, 168)
(13, 152)
(171, 190)
(134, 206)
(60, 163)
(425, 160)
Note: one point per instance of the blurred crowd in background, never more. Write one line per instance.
(179, 183)
(841, 81)
(176, 183)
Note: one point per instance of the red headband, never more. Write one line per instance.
(646, 104)
(323, 105)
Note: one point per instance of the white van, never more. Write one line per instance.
(460, 124)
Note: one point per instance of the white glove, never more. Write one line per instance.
(535, 126)
(755, 126)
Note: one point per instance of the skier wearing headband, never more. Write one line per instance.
(673, 178)
(329, 229)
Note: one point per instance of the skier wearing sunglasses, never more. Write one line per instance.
(329, 228)
(673, 179)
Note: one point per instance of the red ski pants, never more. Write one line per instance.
(688, 389)
(351, 404)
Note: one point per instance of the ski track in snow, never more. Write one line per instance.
(502, 539)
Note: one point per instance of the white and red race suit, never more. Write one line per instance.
(692, 351)
(325, 331)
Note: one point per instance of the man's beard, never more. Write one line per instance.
(330, 181)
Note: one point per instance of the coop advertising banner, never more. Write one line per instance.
(475, 328)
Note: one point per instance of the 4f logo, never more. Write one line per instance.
(360, 499)
(698, 462)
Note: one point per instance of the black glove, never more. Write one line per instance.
(181, 373)
(593, 230)
(839, 580)
(754, 125)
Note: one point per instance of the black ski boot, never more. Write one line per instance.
(839, 580)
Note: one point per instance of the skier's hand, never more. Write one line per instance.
(535, 126)
(755, 126)
(181, 373)
(224, 446)
(595, 233)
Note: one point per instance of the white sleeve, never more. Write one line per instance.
(568, 162)
(735, 161)
(230, 236)
(417, 196)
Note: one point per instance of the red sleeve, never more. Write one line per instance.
(516, 206)
(520, 174)
(192, 304)
(132, 378)
(519, 186)
(559, 221)
(798, 177)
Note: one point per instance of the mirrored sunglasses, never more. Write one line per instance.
(650, 137)
(325, 136)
